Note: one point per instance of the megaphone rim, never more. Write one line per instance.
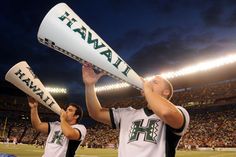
(21, 62)
(59, 4)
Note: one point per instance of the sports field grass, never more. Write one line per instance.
(31, 151)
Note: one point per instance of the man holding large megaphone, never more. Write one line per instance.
(64, 137)
(153, 131)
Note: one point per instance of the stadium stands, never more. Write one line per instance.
(212, 109)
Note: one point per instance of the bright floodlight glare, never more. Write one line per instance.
(203, 66)
(56, 90)
(112, 86)
(149, 78)
(208, 65)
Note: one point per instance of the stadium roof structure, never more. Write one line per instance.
(226, 72)
(188, 70)
(222, 73)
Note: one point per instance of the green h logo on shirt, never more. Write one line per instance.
(57, 138)
(150, 130)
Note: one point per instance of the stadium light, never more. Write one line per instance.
(112, 86)
(203, 66)
(57, 90)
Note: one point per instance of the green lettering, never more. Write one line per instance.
(50, 105)
(150, 130)
(46, 99)
(94, 41)
(40, 94)
(108, 54)
(33, 87)
(126, 71)
(27, 81)
(81, 31)
(117, 63)
(19, 72)
(70, 21)
(57, 138)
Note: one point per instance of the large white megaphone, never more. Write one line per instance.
(64, 31)
(22, 76)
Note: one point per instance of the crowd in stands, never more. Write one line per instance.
(210, 94)
(101, 136)
(208, 128)
(211, 129)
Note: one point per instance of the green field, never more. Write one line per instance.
(31, 151)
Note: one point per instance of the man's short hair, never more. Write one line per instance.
(78, 111)
(168, 87)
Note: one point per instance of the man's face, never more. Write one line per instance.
(70, 112)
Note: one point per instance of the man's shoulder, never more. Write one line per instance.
(54, 123)
(125, 108)
(79, 126)
(183, 129)
(183, 110)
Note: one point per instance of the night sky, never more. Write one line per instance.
(152, 36)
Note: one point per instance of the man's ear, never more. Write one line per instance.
(76, 116)
(166, 92)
